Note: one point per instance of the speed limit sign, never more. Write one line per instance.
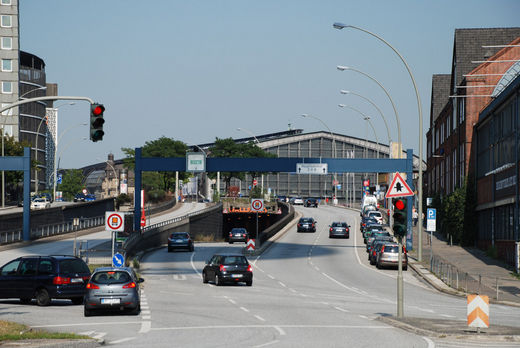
(257, 204)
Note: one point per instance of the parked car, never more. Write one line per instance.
(339, 229)
(44, 278)
(371, 228)
(40, 203)
(366, 221)
(180, 240)
(306, 224)
(228, 268)
(297, 201)
(388, 256)
(376, 214)
(113, 288)
(372, 253)
(90, 198)
(238, 234)
(374, 235)
(311, 202)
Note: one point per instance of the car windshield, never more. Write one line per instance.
(179, 235)
(111, 277)
(234, 260)
(73, 266)
(374, 213)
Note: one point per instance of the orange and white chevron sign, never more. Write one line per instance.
(478, 311)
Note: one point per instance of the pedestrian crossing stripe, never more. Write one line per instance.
(478, 311)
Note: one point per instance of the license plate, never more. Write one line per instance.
(110, 301)
(236, 275)
(178, 241)
(76, 280)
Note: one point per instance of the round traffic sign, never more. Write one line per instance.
(114, 221)
(257, 204)
(118, 260)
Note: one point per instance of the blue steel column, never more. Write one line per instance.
(27, 194)
(409, 200)
(137, 190)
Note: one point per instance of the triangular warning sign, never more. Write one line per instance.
(398, 188)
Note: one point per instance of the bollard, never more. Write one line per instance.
(479, 283)
(466, 280)
(457, 279)
(497, 287)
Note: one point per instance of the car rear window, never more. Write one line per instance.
(234, 260)
(391, 249)
(339, 224)
(306, 220)
(73, 266)
(179, 235)
(241, 230)
(111, 277)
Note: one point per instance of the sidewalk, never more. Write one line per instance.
(466, 270)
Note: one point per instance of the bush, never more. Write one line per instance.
(156, 196)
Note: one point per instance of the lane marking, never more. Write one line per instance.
(280, 331)
(370, 327)
(293, 291)
(259, 318)
(147, 317)
(267, 344)
(282, 284)
(244, 309)
(193, 264)
(429, 341)
(145, 327)
(88, 324)
(122, 340)
(342, 309)
(270, 276)
(232, 301)
(447, 316)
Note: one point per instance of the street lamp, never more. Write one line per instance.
(419, 107)
(378, 109)
(36, 184)
(333, 145)
(3, 151)
(343, 68)
(56, 150)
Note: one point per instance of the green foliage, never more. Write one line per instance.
(122, 199)
(256, 192)
(14, 177)
(216, 196)
(71, 184)
(162, 147)
(156, 196)
(454, 206)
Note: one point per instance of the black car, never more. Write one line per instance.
(180, 240)
(311, 202)
(80, 197)
(339, 229)
(306, 224)
(44, 278)
(367, 221)
(238, 234)
(228, 268)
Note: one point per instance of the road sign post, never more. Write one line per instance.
(257, 205)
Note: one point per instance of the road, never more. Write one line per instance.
(308, 291)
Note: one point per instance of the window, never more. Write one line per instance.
(7, 65)
(461, 109)
(442, 133)
(10, 268)
(7, 43)
(7, 87)
(6, 21)
(8, 112)
(6, 2)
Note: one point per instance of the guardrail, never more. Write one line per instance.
(42, 231)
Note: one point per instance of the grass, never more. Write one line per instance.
(10, 331)
(516, 275)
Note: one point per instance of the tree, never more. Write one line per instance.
(71, 183)
(14, 177)
(163, 147)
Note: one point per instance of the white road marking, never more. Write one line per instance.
(363, 316)
(179, 277)
(88, 324)
(267, 344)
(342, 309)
(430, 342)
(280, 331)
(259, 318)
(292, 290)
(356, 327)
(282, 284)
(232, 301)
(244, 309)
(145, 312)
(146, 326)
(270, 276)
(193, 264)
(146, 317)
(122, 340)
(447, 316)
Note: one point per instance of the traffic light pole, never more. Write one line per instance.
(400, 295)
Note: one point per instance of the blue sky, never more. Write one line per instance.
(197, 70)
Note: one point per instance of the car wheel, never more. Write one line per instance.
(204, 277)
(405, 268)
(136, 310)
(192, 248)
(249, 283)
(25, 300)
(42, 298)
(77, 300)
(217, 280)
(378, 266)
(170, 250)
(230, 242)
(87, 312)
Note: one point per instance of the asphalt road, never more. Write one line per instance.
(308, 291)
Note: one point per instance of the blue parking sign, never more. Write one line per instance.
(431, 213)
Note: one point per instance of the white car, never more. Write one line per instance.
(376, 214)
(40, 203)
(298, 201)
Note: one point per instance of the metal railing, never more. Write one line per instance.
(494, 287)
(41, 231)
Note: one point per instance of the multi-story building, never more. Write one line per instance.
(485, 61)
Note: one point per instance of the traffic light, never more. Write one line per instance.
(96, 122)
(400, 226)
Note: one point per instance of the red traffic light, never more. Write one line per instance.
(399, 204)
(98, 110)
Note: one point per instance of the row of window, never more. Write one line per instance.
(449, 173)
(497, 223)
(445, 129)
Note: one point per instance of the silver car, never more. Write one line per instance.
(388, 256)
(113, 288)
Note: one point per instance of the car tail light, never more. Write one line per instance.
(249, 268)
(383, 249)
(330, 229)
(92, 286)
(60, 281)
(222, 268)
(346, 229)
(404, 249)
(299, 225)
(243, 234)
(85, 278)
(129, 285)
(313, 224)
